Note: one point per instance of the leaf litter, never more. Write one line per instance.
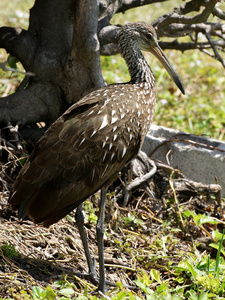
(146, 234)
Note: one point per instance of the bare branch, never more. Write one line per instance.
(18, 43)
(190, 46)
(217, 55)
(178, 14)
(219, 13)
(7, 69)
(28, 113)
(179, 30)
(174, 24)
(108, 35)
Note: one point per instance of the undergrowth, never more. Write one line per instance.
(163, 267)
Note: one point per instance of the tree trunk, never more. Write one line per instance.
(61, 49)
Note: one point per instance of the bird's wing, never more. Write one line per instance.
(82, 151)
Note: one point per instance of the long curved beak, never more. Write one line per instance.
(157, 51)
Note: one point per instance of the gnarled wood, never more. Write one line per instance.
(61, 49)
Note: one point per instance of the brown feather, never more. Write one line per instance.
(93, 140)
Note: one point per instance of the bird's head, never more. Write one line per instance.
(144, 35)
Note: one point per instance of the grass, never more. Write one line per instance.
(15, 13)
(193, 275)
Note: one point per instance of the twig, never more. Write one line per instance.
(120, 267)
(217, 55)
(206, 231)
(137, 182)
(152, 215)
(4, 68)
(176, 201)
(185, 141)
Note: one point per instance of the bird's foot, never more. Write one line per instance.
(91, 276)
(94, 279)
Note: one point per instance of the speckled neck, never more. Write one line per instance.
(138, 67)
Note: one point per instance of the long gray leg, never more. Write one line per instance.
(100, 234)
(79, 217)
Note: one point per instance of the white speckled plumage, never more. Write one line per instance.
(84, 150)
(94, 139)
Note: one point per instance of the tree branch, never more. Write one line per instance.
(30, 100)
(219, 13)
(217, 55)
(172, 24)
(18, 43)
(7, 69)
(178, 14)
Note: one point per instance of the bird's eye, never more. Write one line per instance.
(148, 36)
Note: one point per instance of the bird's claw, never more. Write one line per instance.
(92, 276)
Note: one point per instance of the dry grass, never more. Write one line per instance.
(31, 255)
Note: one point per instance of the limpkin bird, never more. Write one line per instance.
(84, 150)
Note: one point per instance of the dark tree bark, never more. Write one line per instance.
(60, 51)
